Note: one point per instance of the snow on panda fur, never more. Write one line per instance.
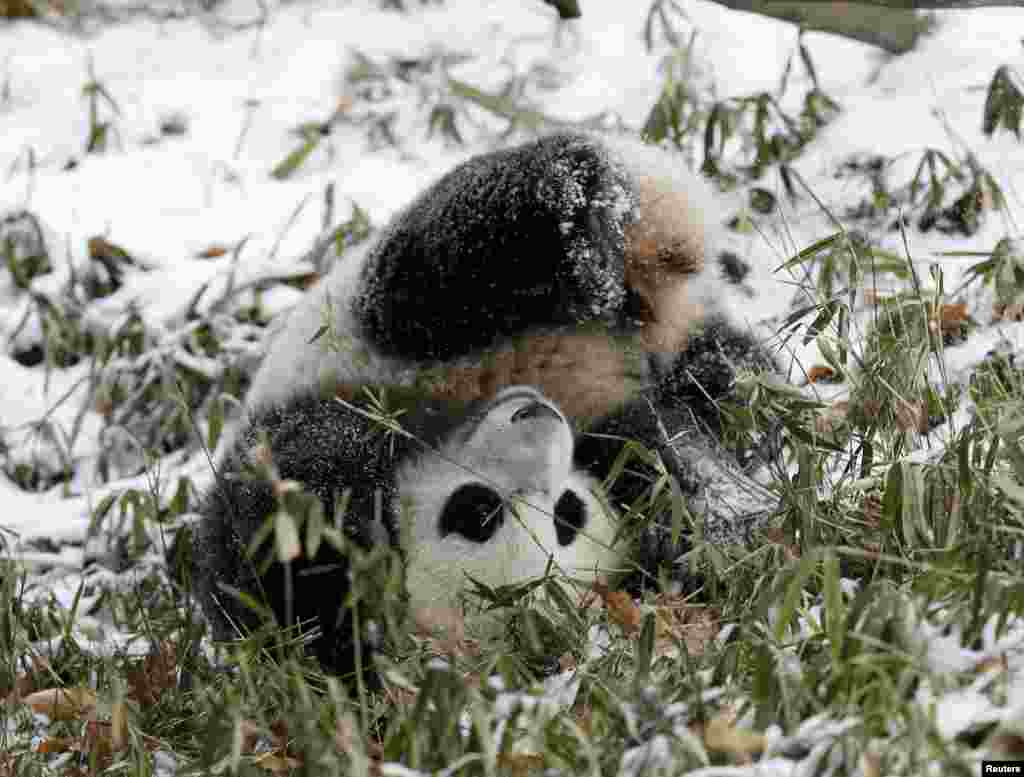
(561, 263)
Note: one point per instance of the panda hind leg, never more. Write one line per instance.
(311, 441)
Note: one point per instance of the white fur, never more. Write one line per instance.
(530, 465)
(294, 361)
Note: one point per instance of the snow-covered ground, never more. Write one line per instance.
(241, 79)
(240, 94)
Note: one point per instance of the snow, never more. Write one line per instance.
(242, 92)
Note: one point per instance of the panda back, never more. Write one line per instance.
(300, 356)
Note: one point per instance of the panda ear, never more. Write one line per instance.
(473, 511)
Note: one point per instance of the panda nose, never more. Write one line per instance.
(535, 410)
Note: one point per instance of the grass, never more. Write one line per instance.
(886, 595)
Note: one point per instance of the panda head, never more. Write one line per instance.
(499, 500)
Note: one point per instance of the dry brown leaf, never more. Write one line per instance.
(623, 611)
(832, 417)
(56, 745)
(584, 716)
(7, 765)
(872, 407)
(119, 726)
(213, 251)
(444, 629)
(99, 246)
(870, 764)
(951, 502)
(1001, 312)
(25, 682)
(17, 9)
(566, 662)
(157, 674)
(308, 280)
(695, 625)
(98, 739)
(431, 620)
(103, 404)
(63, 703)
(521, 764)
(251, 734)
(279, 733)
(277, 762)
(345, 734)
(721, 735)
(820, 372)
(400, 697)
(911, 416)
(1006, 744)
(95, 742)
(952, 314)
(463, 648)
(343, 106)
(777, 536)
(597, 591)
(872, 509)
(947, 319)
(992, 663)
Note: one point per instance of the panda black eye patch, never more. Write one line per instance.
(473, 511)
(570, 517)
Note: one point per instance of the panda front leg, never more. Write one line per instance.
(680, 419)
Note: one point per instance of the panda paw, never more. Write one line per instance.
(567, 229)
(506, 242)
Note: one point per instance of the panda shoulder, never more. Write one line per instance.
(301, 345)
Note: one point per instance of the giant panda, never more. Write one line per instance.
(532, 309)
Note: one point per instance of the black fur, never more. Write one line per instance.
(474, 511)
(541, 222)
(706, 371)
(328, 448)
